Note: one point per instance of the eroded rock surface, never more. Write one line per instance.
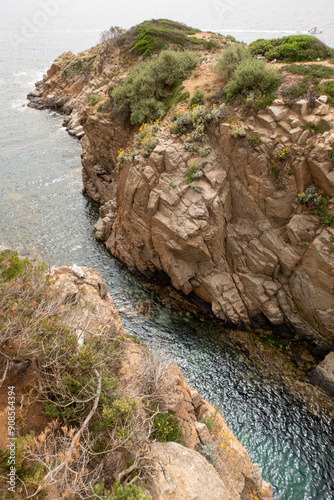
(239, 241)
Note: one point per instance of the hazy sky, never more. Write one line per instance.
(226, 16)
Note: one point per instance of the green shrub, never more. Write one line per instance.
(205, 151)
(254, 140)
(292, 48)
(275, 171)
(120, 492)
(194, 173)
(237, 131)
(166, 428)
(197, 98)
(189, 146)
(175, 95)
(317, 204)
(12, 266)
(146, 138)
(328, 89)
(193, 119)
(251, 77)
(281, 154)
(144, 90)
(156, 35)
(317, 129)
(313, 72)
(230, 60)
(94, 99)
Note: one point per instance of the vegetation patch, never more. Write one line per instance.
(328, 89)
(94, 99)
(154, 36)
(317, 129)
(142, 95)
(254, 140)
(317, 204)
(313, 72)
(236, 131)
(194, 173)
(146, 138)
(197, 98)
(230, 59)
(292, 48)
(77, 383)
(166, 428)
(251, 78)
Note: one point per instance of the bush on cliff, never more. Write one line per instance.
(251, 77)
(230, 60)
(141, 96)
(292, 48)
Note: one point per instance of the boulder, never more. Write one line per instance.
(184, 474)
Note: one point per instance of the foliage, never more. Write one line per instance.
(112, 35)
(205, 151)
(282, 154)
(251, 77)
(254, 140)
(328, 89)
(189, 146)
(317, 129)
(313, 72)
(194, 173)
(175, 95)
(317, 203)
(193, 120)
(275, 171)
(153, 36)
(195, 187)
(94, 99)
(209, 421)
(146, 138)
(291, 48)
(141, 96)
(197, 98)
(237, 131)
(120, 157)
(230, 60)
(79, 66)
(166, 428)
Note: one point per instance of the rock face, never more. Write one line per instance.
(238, 240)
(181, 475)
(182, 472)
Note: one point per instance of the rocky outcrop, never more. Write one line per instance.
(238, 240)
(182, 472)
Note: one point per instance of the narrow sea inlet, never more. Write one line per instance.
(43, 211)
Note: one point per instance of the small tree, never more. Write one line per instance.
(108, 37)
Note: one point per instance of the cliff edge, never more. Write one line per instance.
(233, 203)
(96, 413)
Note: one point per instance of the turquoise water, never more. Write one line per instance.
(42, 209)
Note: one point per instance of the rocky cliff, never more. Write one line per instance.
(210, 464)
(233, 234)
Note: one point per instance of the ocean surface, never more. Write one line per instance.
(42, 210)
